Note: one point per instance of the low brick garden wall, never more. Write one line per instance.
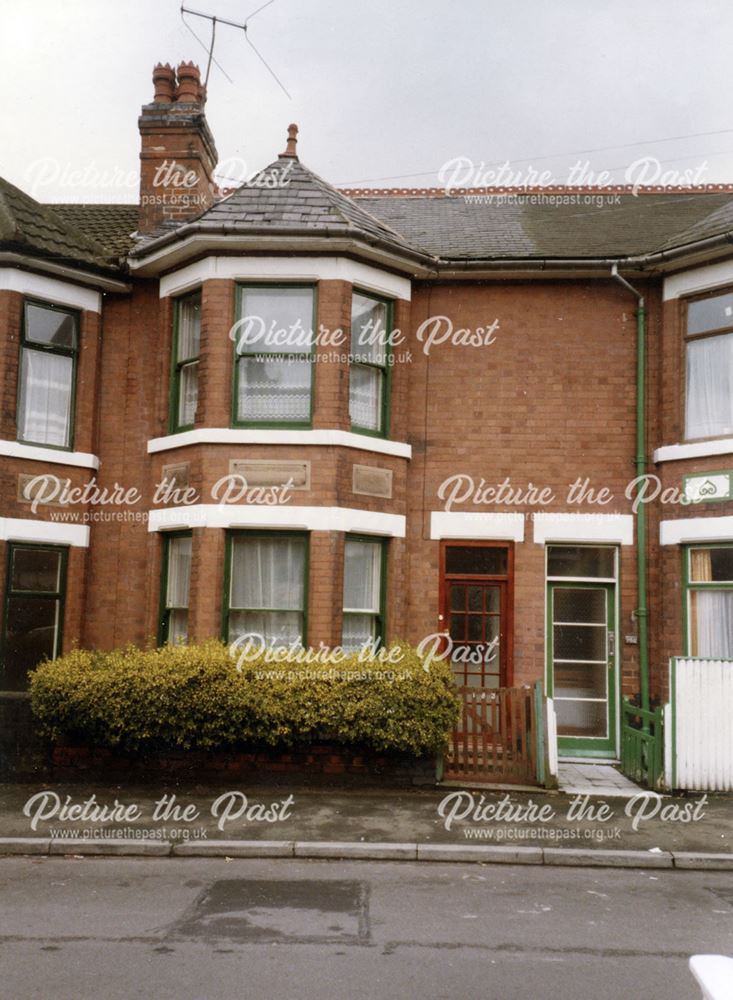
(315, 764)
(23, 753)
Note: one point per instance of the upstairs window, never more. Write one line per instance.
(709, 375)
(371, 320)
(186, 350)
(49, 346)
(273, 347)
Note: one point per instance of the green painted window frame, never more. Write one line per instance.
(227, 609)
(691, 338)
(73, 353)
(45, 595)
(385, 369)
(381, 615)
(241, 290)
(689, 585)
(164, 613)
(177, 364)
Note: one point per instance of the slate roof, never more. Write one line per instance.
(573, 224)
(718, 221)
(304, 202)
(458, 228)
(450, 229)
(28, 227)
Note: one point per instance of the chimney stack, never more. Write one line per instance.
(177, 155)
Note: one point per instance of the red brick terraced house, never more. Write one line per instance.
(468, 473)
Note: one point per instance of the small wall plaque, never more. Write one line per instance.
(703, 487)
(371, 481)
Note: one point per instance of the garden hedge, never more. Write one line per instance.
(194, 696)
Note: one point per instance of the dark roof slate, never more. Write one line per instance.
(458, 228)
(303, 201)
(461, 227)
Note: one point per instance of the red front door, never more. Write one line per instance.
(476, 611)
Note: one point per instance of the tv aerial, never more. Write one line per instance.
(230, 24)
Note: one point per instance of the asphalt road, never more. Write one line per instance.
(191, 929)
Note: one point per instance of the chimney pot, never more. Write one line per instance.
(292, 142)
(164, 81)
(189, 89)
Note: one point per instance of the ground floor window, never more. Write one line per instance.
(33, 613)
(266, 587)
(363, 610)
(175, 587)
(709, 601)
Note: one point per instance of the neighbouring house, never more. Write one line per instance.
(431, 397)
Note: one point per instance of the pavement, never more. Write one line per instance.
(569, 827)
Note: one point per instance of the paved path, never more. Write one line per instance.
(594, 779)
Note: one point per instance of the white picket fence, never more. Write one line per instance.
(699, 725)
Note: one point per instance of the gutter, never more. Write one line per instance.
(436, 267)
(233, 230)
(80, 277)
(195, 246)
(642, 611)
(637, 262)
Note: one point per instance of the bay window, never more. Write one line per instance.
(33, 613)
(709, 604)
(363, 607)
(371, 320)
(709, 367)
(266, 588)
(175, 588)
(273, 346)
(185, 367)
(49, 345)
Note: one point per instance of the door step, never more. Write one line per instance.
(610, 761)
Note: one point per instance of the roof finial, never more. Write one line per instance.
(292, 142)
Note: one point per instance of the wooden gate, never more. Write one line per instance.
(496, 737)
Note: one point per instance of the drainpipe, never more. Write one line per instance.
(642, 612)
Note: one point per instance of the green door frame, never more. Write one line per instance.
(588, 746)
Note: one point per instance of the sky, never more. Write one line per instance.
(385, 92)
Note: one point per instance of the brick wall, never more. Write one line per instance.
(123, 557)
(551, 399)
(313, 764)
(666, 565)
(11, 306)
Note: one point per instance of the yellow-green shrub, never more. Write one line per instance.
(195, 697)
